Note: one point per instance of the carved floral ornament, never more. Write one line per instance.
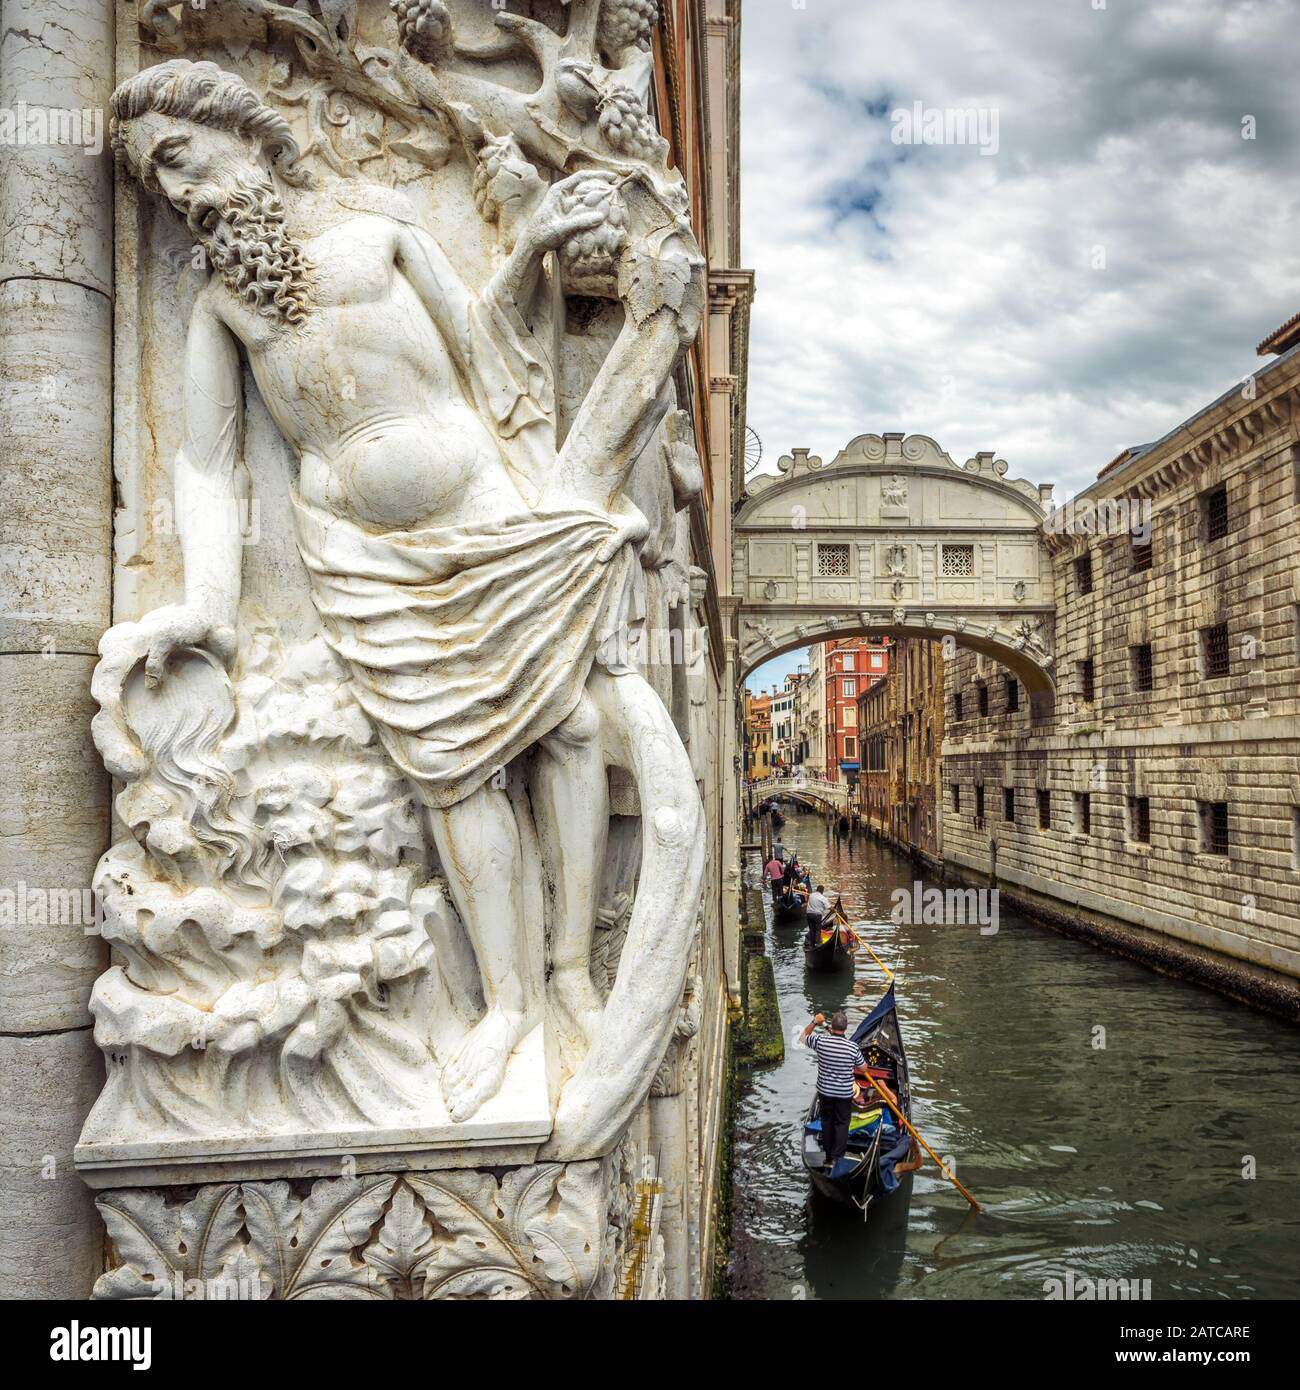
(306, 940)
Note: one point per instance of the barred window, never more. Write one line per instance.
(1214, 826)
(1009, 804)
(1087, 680)
(956, 708)
(833, 561)
(1214, 651)
(984, 699)
(1139, 819)
(1044, 809)
(956, 796)
(1214, 513)
(1083, 574)
(979, 804)
(1013, 695)
(958, 561)
(1083, 813)
(1142, 667)
(1142, 555)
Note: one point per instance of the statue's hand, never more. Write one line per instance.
(573, 205)
(163, 630)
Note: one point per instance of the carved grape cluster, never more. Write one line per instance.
(591, 254)
(627, 127)
(627, 24)
(423, 26)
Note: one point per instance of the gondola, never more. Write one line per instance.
(877, 1142)
(789, 908)
(830, 944)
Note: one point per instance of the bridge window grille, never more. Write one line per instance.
(833, 561)
(1214, 651)
(958, 561)
(1013, 695)
(1214, 513)
(1143, 667)
(1044, 809)
(1139, 819)
(1087, 680)
(956, 800)
(1142, 555)
(984, 699)
(1214, 826)
(1083, 813)
(956, 708)
(1083, 574)
(979, 804)
(1009, 805)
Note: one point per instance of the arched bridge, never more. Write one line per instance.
(894, 537)
(811, 791)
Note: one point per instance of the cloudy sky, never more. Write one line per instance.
(1102, 273)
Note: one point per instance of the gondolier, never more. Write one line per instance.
(837, 1058)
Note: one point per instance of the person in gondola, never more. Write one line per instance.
(818, 906)
(838, 1058)
(774, 872)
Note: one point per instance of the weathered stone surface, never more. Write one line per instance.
(56, 508)
(50, 1235)
(54, 806)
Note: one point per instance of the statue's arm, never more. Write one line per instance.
(207, 469)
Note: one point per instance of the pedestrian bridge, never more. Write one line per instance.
(894, 537)
(811, 791)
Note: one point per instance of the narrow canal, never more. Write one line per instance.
(1167, 1154)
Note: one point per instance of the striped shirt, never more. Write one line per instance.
(837, 1055)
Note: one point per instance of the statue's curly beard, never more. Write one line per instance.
(241, 228)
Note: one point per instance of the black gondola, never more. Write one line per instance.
(789, 908)
(831, 942)
(877, 1142)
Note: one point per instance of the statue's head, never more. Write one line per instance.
(202, 138)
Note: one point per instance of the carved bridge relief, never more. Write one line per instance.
(403, 486)
(894, 536)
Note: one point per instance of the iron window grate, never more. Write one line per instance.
(1214, 512)
(1142, 555)
(1083, 574)
(1143, 667)
(1087, 680)
(1214, 651)
(1044, 809)
(1139, 810)
(1214, 827)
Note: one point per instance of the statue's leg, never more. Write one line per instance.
(478, 843)
(571, 804)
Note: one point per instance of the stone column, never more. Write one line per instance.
(56, 72)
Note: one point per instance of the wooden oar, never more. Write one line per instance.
(908, 1126)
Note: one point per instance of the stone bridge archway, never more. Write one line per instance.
(894, 537)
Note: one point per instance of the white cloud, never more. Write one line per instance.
(936, 290)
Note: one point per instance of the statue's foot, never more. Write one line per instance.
(577, 1000)
(474, 1075)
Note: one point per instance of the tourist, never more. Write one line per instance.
(837, 1059)
(774, 871)
(818, 905)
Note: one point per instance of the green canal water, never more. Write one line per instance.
(1122, 1161)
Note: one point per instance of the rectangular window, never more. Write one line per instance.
(846, 662)
(956, 708)
(833, 561)
(1141, 667)
(1044, 809)
(850, 748)
(875, 661)
(956, 800)
(1083, 813)
(850, 716)
(1142, 555)
(984, 699)
(1214, 826)
(1087, 673)
(958, 561)
(1009, 804)
(1214, 651)
(1139, 819)
(1083, 574)
(1013, 695)
(1214, 513)
(979, 804)
(850, 689)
